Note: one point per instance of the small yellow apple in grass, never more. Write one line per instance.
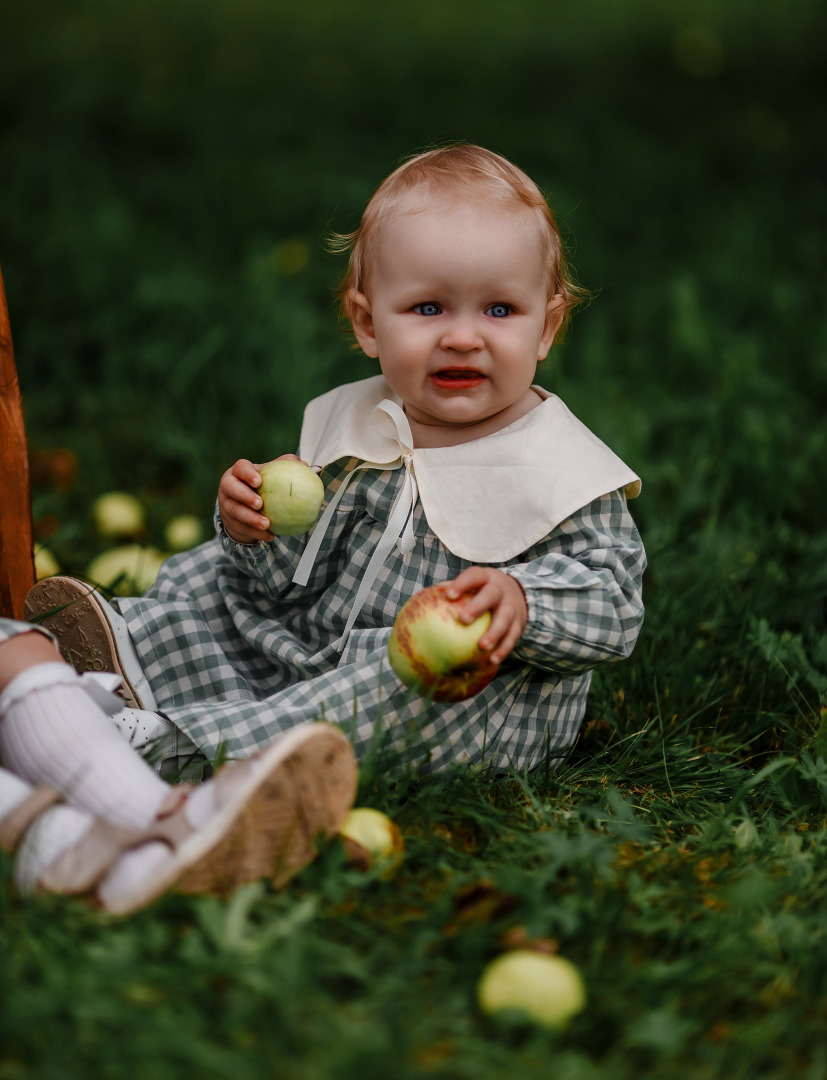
(370, 837)
(117, 513)
(45, 564)
(292, 494)
(129, 570)
(547, 989)
(434, 653)
(183, 532)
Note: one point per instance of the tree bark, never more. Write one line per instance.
(16, 551)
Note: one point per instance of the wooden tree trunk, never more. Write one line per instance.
(16, 558)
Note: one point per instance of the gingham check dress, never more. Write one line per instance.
(236, 653)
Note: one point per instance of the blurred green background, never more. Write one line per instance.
(168, 172)
(170, 169)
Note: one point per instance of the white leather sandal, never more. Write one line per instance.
(78, 869)
(270, 811)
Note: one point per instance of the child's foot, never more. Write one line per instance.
(91, 636)
(58, 848)
(259, 817)
(142, 729)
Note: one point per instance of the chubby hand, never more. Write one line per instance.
(239, 503)
(500, 594)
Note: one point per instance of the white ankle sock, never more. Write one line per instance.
(55, 831)
(59, 828)
(132, 869)
(52, 732)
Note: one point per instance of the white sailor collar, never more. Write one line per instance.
(487, 500)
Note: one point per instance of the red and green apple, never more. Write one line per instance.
(434, 652)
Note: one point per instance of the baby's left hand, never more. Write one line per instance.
(500, 594)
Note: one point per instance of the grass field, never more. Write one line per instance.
(168, 172)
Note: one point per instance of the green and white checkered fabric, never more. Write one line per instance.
(235, 653)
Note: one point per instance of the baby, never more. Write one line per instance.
(449, 466)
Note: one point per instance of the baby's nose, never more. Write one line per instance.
(462, 334)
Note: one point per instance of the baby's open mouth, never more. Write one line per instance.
(457, 377)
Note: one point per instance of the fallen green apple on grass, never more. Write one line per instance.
(183, 532)
(128, 570)
(45, 563)
(548, 990)
(370, 838)
(436, 654)
(292, 494)
(118, 514)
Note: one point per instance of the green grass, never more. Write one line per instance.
(690, 897)
(168, 173)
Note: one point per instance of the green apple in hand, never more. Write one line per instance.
(434, 653)
(292, 494)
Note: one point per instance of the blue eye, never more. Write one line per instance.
(428, 308)
(499, 311)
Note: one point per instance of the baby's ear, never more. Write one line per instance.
(555, 313)
(361, 319)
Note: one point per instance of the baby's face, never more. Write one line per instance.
(458, 315)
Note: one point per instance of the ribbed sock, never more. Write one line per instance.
(52, 732)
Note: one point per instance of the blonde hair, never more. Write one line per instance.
(462, 169)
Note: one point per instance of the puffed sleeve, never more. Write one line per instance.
(272, 563)
(584, 593)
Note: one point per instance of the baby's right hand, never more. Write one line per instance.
(239, 503)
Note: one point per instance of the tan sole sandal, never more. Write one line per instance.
(76, 614)
(271, 809)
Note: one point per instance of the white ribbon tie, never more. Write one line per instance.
(393, 424)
